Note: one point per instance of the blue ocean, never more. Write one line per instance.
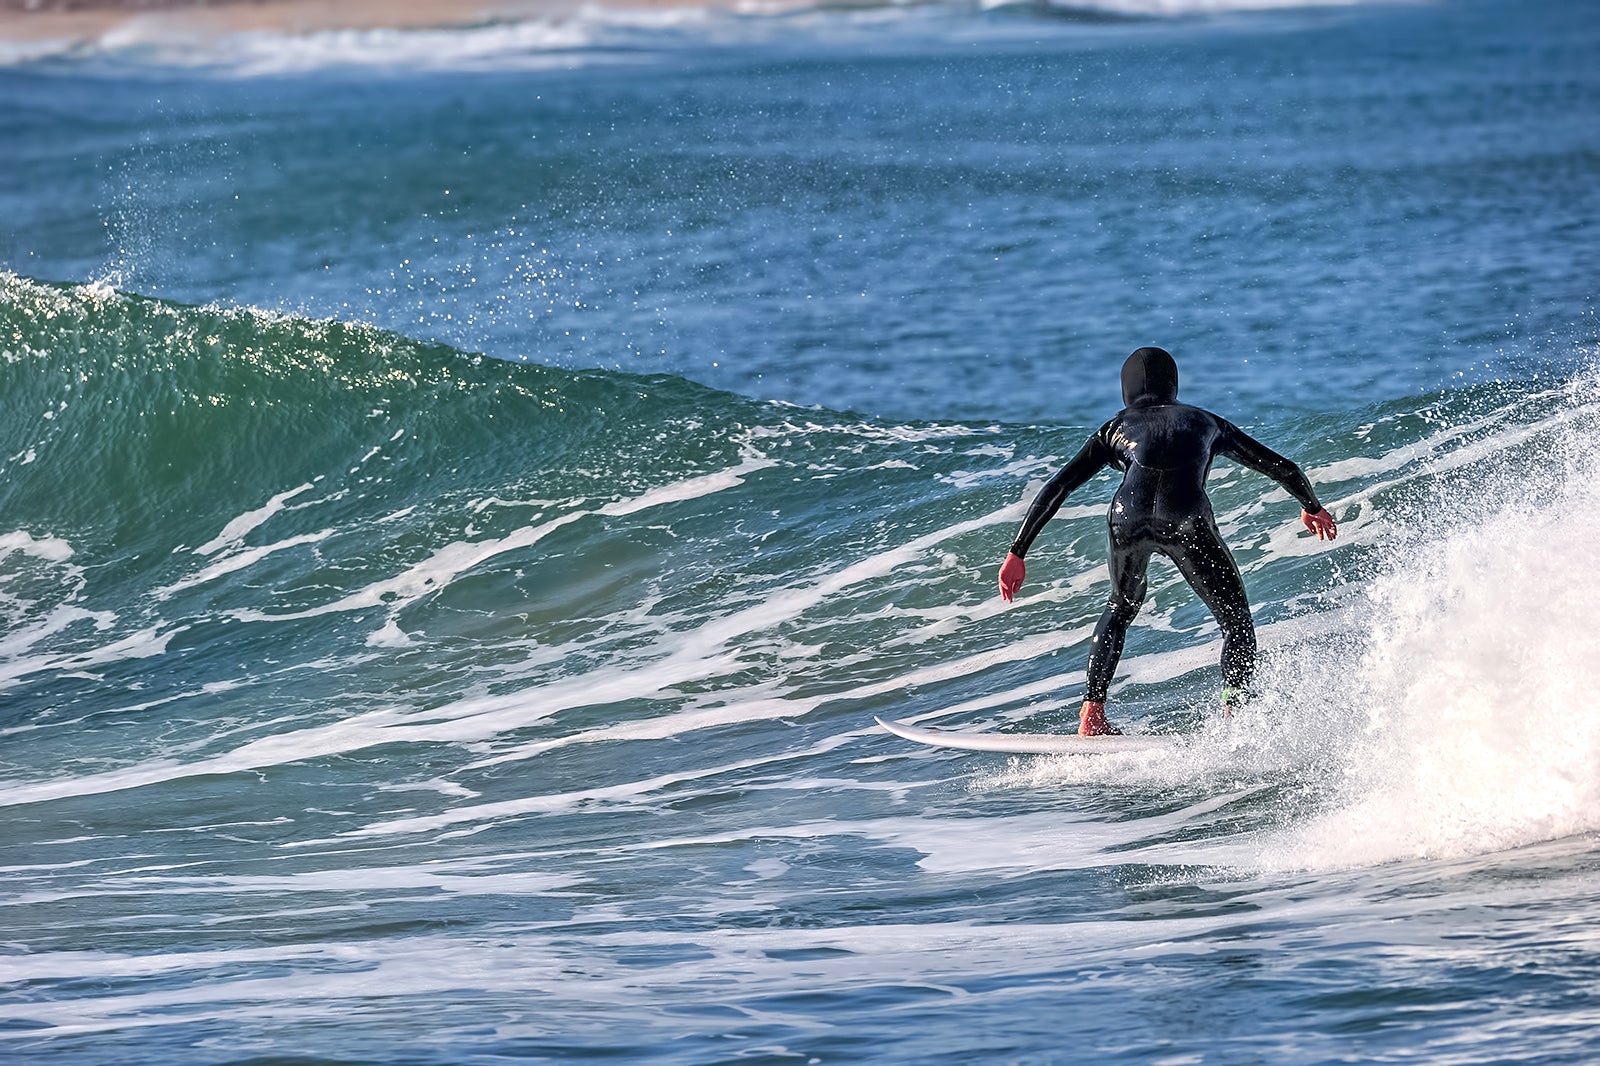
(465, 494)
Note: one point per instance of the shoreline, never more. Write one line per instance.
(83, 22)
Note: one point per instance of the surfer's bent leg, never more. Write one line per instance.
(1129, 558)
(1207, 564)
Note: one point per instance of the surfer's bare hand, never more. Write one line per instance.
(1321, 523)
(1012, 571)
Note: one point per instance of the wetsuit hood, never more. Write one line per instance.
(1149, 377)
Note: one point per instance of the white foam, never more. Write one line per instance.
(1474, 730)
(50, 549)
(34, 619)
(1477, 730)
(236, 530)
(236, 561)
(438, 570)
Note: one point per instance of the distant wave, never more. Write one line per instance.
(1179, 8)
(509, 45)
(592, 34)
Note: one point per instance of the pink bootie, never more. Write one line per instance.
(1092, 721)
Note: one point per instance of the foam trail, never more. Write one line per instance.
(704, 652)
(239, 560)
(235, 531)
(710, 644)
(439, 569)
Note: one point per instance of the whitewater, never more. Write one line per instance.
(460, 516)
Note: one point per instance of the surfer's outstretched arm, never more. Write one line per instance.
(1088, 462)
(1244, 449)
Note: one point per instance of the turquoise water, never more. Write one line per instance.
(467, 493)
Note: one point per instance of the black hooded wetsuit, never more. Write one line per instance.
(1165, 450)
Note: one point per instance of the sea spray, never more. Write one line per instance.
(1470, 694)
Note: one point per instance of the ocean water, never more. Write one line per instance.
(465, 493)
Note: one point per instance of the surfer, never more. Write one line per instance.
(1164, 449)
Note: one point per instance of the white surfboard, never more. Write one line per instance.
(1027, 743)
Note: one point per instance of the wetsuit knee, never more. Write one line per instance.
(1122, 610)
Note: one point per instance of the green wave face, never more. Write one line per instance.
(218, 489)
(173, 414)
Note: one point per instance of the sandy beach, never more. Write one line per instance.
(83, 20)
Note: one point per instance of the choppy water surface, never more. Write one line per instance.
(467, 493)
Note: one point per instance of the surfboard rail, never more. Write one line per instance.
(1026, 743)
